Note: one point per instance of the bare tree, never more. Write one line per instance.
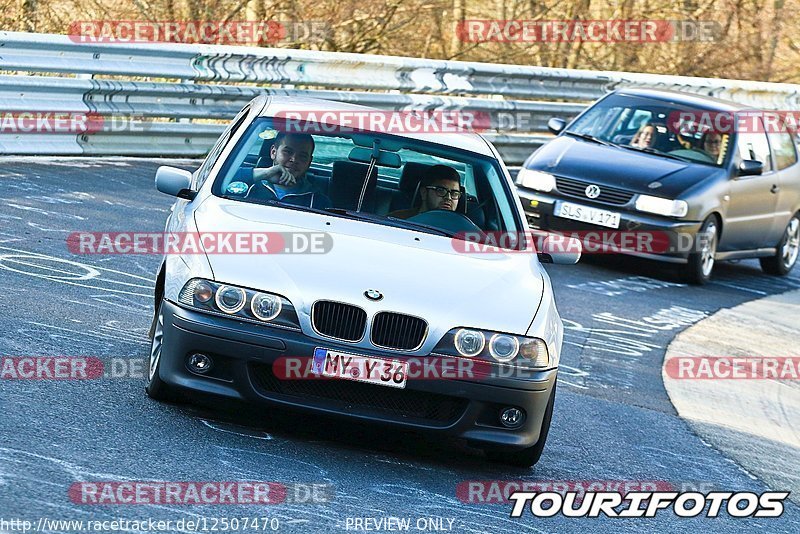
(753, 40)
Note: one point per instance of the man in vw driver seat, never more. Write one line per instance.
(440, 189)
(286, 180)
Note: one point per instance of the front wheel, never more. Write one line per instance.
(530, 456)
(155, 387)
(701, 262)
(786, 256)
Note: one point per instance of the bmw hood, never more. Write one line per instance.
(417, 273)
(618, 167)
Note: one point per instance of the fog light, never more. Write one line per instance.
(512, 417)
(200, 363)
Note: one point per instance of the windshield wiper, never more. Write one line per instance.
(278, 203)
(427, 227)
(341, 212)
(378, 219)
(654, 151)
(589, 137)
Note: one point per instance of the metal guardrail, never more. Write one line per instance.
(178, 85)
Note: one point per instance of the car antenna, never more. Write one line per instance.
(376, 152)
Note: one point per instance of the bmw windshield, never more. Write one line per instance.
(433, 188)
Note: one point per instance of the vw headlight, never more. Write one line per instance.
(538, 180)
(662, 206)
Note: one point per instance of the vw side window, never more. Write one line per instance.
(755, 146)
(783, 147)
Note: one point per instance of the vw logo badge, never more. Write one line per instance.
(373, 294)
(592, 191)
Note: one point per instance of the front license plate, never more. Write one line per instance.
(576, 212)
(380, 371)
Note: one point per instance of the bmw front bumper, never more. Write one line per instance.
(243, 355)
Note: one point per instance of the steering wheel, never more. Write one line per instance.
(450, 221)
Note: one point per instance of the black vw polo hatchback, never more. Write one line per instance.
(670, 176)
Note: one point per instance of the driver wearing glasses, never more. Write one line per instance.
(439, 189)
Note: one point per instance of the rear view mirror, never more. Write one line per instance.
(385, 159)
(750, 167)
(555, 125)
(175, 182)
(560, 250)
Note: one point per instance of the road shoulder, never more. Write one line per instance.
(754, 422)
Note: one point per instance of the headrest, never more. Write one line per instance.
(265, 148)
(347, 179)
(412, 174)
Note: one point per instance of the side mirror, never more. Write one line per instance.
(560, 250)
(556, 125)
(750, 167)
(175, 182)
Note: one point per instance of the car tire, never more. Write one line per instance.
(786, 256)
(701, 263)
(156, 388)
(530, 456)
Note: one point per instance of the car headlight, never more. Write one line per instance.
(230, 299)
(469, 343)
(541, 181)
(527, 352)
(503, 347)
(534, 352)
(265, 306)
(203, 291)
(662, 206)
(238, 302)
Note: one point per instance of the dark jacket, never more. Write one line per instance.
(304, 194)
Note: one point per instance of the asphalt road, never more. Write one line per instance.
(612, 420)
